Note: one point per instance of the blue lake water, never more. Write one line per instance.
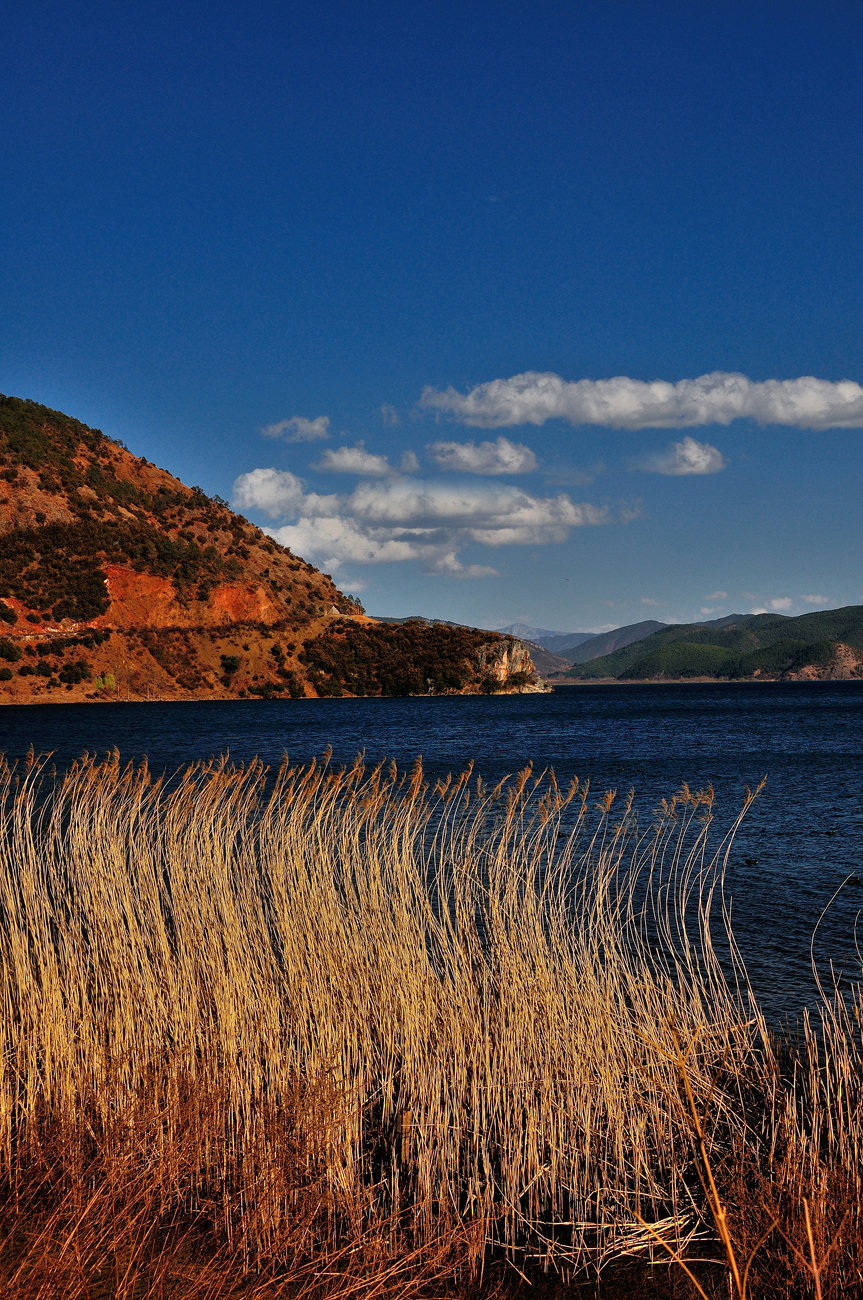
(799, 842)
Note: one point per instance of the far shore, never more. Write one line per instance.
(553, 685)
(701, 681)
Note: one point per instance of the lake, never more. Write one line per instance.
(799, 843)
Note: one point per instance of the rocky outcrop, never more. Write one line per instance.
(506, 667)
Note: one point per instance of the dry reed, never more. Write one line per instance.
(335, 1032)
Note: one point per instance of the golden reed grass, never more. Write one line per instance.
(343, 1033)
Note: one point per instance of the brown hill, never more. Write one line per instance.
(119, 581)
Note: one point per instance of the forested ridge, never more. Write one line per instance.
(823, 643)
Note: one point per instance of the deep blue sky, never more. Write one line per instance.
(222, 218)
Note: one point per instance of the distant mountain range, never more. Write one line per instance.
(578, 647)
(827, 644)
(557, 642)
(824, 644)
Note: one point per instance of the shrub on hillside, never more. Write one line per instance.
(76, 670)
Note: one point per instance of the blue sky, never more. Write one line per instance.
(496, 312)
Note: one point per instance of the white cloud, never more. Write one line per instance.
(390, 415)
(623, 403)
(499, 457)
(648, 600)
(451, 566)
(717, 595)
(685, 457)
(279, 494)
(815, 600)
(299, 429)
(408, 519)
(334, 540)
(777, 606)
(409, 463)
(354, 460)
(498, 515)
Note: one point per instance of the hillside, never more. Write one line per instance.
(825, 644)
(119, 581)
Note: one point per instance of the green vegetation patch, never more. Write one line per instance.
(767, 644)
(36, 438)
(41, 439)
(681, 659)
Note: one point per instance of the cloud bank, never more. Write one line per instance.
(405, 518)
(278, 494)
(623, 403)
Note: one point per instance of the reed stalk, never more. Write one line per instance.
(345, 1032)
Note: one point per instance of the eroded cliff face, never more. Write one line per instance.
(506, 667)
(845, 664)
(142, 600)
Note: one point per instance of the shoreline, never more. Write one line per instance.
(704, 681)
(554, 686)
(257, 699)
